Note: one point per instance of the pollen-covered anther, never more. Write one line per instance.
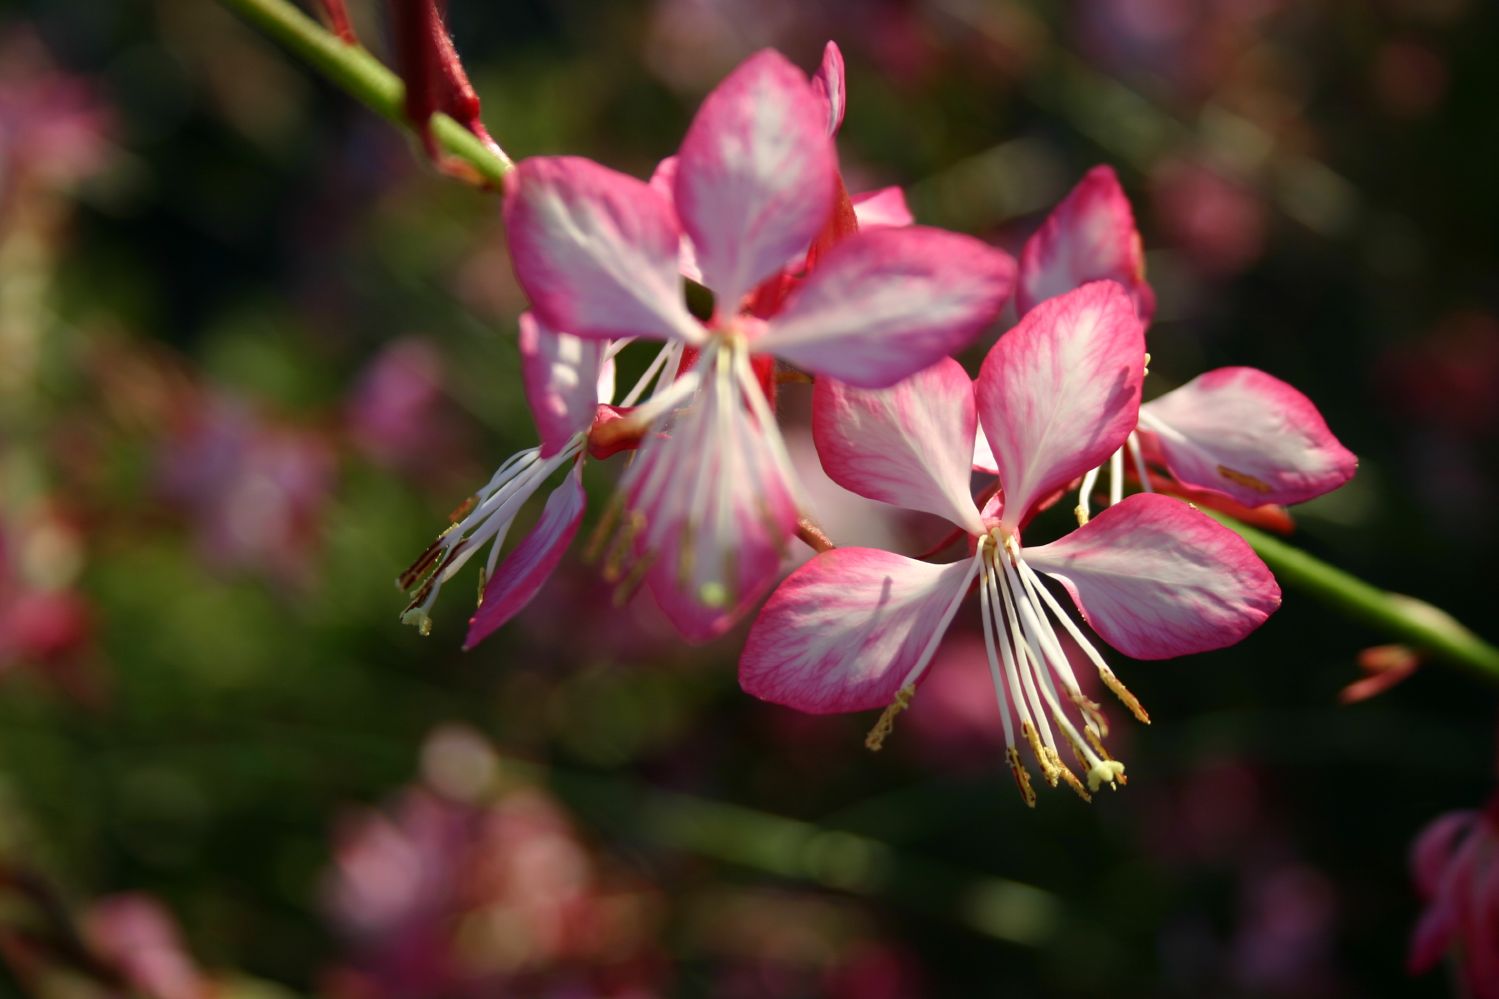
(875, 740)
(1049, 770)
(1022, 776)
(1091, 709)
(1122, 692)
(1067, 776)
(1110, 772)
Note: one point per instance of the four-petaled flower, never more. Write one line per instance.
(856, 628)
(709, 500)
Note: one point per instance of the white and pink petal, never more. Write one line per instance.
(521, 575)
(884, 208)
(909, 445)
(756, 175)
(596, 251)
(1089, 236)
(884, 304)
(1247, 435)
(829, 85)
(844, 631)
(1060, 393)
(562, 376)
(1157, 579)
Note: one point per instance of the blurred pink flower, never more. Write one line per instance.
(476, 897)
(53, 127)
(397, 414)
(1455, 863)
(137, 936)
(1219, 224)
(254, 490)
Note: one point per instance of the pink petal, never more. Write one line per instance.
(1060, 392)
(884, 304)
(664, 182)
(983, 454)
(885, 208)
(844, 630)
(756, 175)
(1156, 578)
(1242, 433)
(533, 561)
(1434, 848)
(908, 445)
(596, 251)
(1090, 236)
(561, 374)
(1431, 938)
(829, 85)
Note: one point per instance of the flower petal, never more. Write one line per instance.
(596, 251)
(1060, 392)
(1156, 578)
(884, 304)
(533, 561)
(664, 182)
(844, 630)
(907, 445)
(1435, 847)
(561, 375)
(1247, 435)
(756, 175)
(1090, 236)
(831, 88)
(885, 208)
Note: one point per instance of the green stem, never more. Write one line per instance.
(1405, 619)
(363, 76)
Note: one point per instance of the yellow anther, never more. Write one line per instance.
(1022, 777)
(1041, 753)
(1126, 698)
(875, 740)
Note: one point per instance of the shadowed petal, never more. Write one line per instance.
(844, 630)
(561, 375)
(533, 561)
(1060, 392)
(756, 175)
(1090, 236)
(882, 209)
(884, 304)
(596, 251)
(1247, 435)
(1156, 578)
(908, 445)
(829, 84)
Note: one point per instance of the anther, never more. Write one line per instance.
(1022, 777)
(1040, 752)
(875, 740)
(1122, 692)
(1110, 772)
(1069, 777)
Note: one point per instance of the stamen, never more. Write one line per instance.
(1022, 777)
(1122, 692)
(1116, 477)
(1084, 494)
(875, 740)
(1137, 455)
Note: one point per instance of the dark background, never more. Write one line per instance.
(1315, 185)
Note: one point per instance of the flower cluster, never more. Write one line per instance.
(747, 260)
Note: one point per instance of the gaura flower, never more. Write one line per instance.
(856, 628)
(709, 500)
(1235, 432)
(565, 379)
(1455, 862)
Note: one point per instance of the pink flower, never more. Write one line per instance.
(1455, 862)
(565, 380)
(709, 499)
(856, 628)
(1235, 433)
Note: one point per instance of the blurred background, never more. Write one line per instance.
(253, 351)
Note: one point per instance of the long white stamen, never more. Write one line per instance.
(947, 616)
(662, 366)
(1085, 496)
(987, 612)
(1132, 445)
(771, 431)
(1027, 662)
(1116, 476)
